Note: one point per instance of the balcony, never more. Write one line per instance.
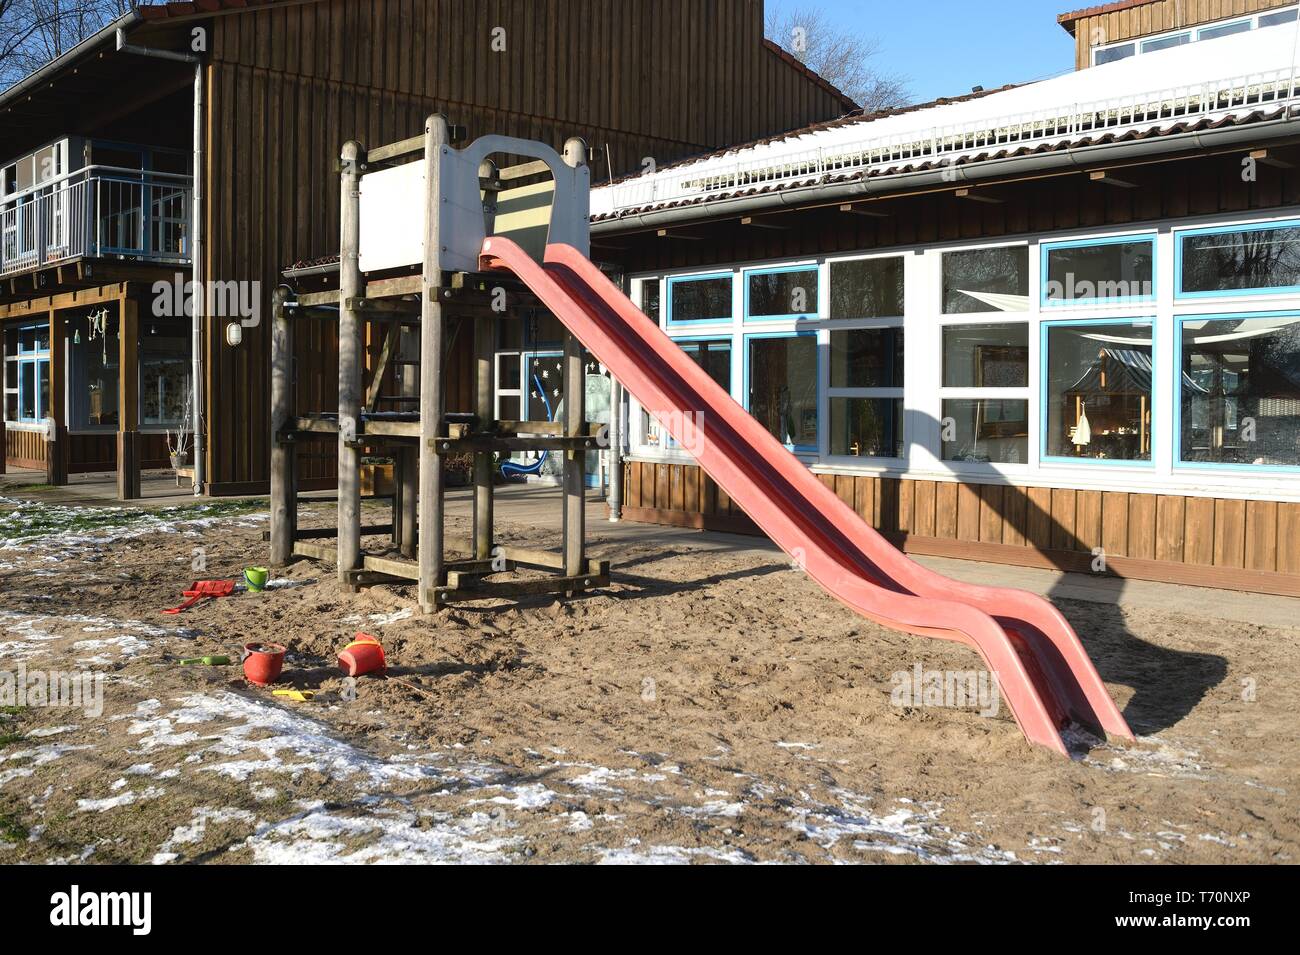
(97, 212)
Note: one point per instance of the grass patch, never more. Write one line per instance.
(11, 710)
(22, 521)
(11, 829)
(7, 738)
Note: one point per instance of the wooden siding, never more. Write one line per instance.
(288, 84)
(1247, 545)
(1157, 16)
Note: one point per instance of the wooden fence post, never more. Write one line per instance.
(284, 483)
(351, 364)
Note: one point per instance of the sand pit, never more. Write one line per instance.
(713, 705)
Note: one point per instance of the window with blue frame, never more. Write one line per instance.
(1239, 390)
(27, 374)
(711, 354)
(781, 386)
(1246, 259)
(1099, 271)
(787, 293)
(1097, 390)
(699, 299)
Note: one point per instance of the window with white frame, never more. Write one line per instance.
(1239, 390)
(985, 392)
(994, 279)
(781, 385)
(865, 349)
(1111, 52)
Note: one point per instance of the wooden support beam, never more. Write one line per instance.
(56, 448)
(1105, 178)
(763, 224)
(399, 150)
(381, 366)
(128, 399)
(1267, 158)
(974, 196)
(862, 209)
(575, 423)
(351, 364)
(485, 329)
(407, 457)
(475, 588)
(284, 456)
(437, 135)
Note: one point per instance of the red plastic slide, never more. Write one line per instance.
(1043, 672)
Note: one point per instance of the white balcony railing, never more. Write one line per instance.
(97, 212)
(1142, 110)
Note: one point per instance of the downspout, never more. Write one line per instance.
(198, 299)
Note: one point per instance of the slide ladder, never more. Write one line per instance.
(1043, 672)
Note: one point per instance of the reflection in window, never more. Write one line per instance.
(979, 429)
(714, 356)
(1099, 391)
(867, 358)
(1210, 33)
(1240, 391)
(867, 427)
(867, 288)
(1282, 16)
(1100, 272)
(699, 299)
(1111, 54)
(783, 387)
(93, 372)
(1165, 42)
(165, 397)
(650, 298)
(783, 294)
(986, 356)
(27, 374)
(986, 280)
(1240, 260)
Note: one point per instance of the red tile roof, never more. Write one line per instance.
(1067, 19)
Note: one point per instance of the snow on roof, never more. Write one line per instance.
(1163, 91)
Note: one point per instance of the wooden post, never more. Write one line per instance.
(4, 443)
(575, 423)
(485, 327)
(284, 476)
(408, 458)
(56, 448)
(437, 139)
(128, 399)
(351, 364)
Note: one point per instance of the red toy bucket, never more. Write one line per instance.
(362, 655)
(263, 662)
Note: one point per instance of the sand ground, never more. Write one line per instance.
(711, 705)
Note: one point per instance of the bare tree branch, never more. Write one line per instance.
(33, 32)
(840, 55)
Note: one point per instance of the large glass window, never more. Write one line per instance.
(867, 288)
(1112, 53)
(986, 280)
(1098, 383)
(1165, 42)
(1263, 258)
(27, 374)
(714, 356)
(987, 430)
(1226, 29)
(993, 355)
(93, 363)
(867, 358)
(866, 427)
(782, 386)
(699, 299)
(781, 293)
(165, 374)
(1108, 271)
(1240, 390)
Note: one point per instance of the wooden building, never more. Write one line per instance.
(1055, 325)
(97, 202)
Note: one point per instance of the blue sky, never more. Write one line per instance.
(944, 47)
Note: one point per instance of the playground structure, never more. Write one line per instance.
(1043, 671)
(442, 236)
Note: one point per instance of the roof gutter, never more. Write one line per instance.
(38, 78)
(1083, 157)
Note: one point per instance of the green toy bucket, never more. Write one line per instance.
(256, 578)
